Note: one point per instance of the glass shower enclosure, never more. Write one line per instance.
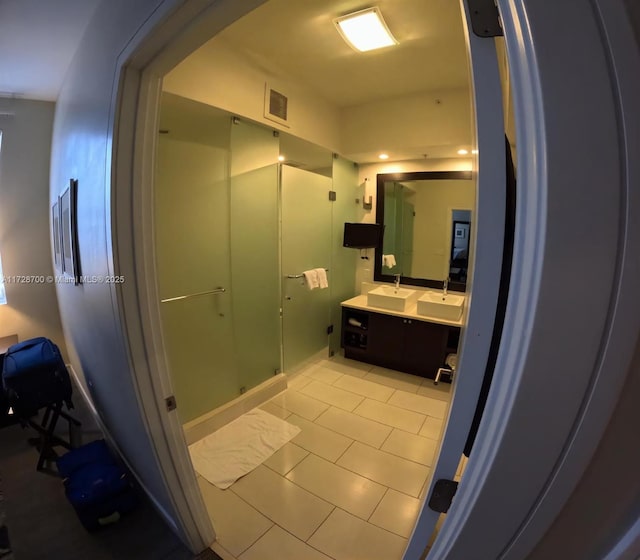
(234, 231)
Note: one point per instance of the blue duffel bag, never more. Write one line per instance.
(98, 488)
(34, 375)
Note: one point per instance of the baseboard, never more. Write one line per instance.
(202, 426)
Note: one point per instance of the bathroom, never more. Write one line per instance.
(243, 208)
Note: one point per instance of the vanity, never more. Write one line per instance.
(426, 218)
(402, 339)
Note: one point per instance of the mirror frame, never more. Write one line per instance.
(381, 179)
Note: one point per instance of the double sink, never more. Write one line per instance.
(429, 303)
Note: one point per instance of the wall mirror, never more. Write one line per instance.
(427, 227)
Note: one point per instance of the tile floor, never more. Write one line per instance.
(349, 486)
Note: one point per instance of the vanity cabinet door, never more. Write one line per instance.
(424, 347)
(386, 340)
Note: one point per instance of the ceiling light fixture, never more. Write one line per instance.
(463, 152)
(365, 30)
(384, 156)
(474, 151)
(280, 158)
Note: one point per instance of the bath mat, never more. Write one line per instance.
(239, 447)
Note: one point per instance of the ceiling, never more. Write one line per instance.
(294, 39)
(38, 39)
(297, 39)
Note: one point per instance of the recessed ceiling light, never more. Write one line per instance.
(365, 30)
(463, 152)
(384, 156)
(474, 151)
(280, 158)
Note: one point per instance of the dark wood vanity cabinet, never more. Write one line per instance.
(408, 345)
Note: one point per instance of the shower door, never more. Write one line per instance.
(192, 252)
(306, 244)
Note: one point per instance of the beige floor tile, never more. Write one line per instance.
(395, 379)
(277, 544)
(354, 426)
(284, 503)
(349, 491)
(287, 457)
(298, 381)
(431, 428)
(410, 446)
(300, 404)
(419, 403)
(365, 388)
(397, 513)
(273, 408)
(345, 537)
(237, 524)
(320, 372)
(332, 395)
(441, 391)
(391, 415)
(347, 366)
(319, 440)
(384, 468)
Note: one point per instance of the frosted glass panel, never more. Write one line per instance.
(255, 274)
(192, 223)
(199, 345)
(306, 244)
(192, 251)
(255, 265)
(343, 260)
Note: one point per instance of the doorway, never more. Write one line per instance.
(361, 199)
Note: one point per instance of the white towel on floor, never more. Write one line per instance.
(389, 261)
(322, 278)
(311, 279)
(239, 447)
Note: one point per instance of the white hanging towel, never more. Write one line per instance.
(311, 279)
(389, 261)
(322, 278)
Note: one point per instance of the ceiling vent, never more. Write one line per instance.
(275, 105)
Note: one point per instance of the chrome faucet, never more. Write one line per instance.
(445, 285)
(397, 282)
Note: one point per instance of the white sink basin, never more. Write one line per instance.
(388, 297)
(435, 304)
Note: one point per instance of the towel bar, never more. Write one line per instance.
(216, 291)
(300, 275)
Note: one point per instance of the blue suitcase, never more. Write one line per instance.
(34, 375)
(98, 488)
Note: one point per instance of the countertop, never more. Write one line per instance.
(360, 302)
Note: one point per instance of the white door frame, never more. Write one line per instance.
(484, 275)
(475, 526)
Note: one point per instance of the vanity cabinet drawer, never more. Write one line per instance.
(407, 345)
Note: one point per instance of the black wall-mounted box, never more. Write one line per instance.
(362, 236)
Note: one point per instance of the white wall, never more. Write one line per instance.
(439, 119)
(219, 76)
(32, 309)
(82, 143)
